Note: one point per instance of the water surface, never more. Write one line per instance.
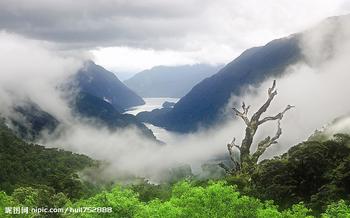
(151, 104)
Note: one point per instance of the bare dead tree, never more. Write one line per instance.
(247, 161)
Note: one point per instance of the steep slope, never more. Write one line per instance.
(203, 104)
(24, 164)
(169, 81)
(89, 106)
(97, 81)
(29, 120)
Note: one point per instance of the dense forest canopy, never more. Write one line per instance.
(311, 179)
(24, 164)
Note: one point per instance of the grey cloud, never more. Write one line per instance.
(161, 24)
(100, 23)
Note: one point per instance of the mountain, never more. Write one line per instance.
(89, 106)
(29, 121)
(97, 81)
(24, 164)
(203, 104)
(101, 96)
(169, 81)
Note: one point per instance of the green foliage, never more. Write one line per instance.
(337, 210)
(315, 172)
(217, 199)
(39, 197)
(24, 164)
(32, 198)
(148, 191)
(123, 201)
(297, 210)
(5, 201)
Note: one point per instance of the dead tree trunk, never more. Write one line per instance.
(247, 160)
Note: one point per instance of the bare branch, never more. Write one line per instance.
(279, 116)
(229, 148)
(232, 144)
(245, 158)
(244, 114)
(245, 109)
(272, 92)
(278, 133)
(267, 142)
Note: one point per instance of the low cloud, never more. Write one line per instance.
(31, 71)
(318, 89)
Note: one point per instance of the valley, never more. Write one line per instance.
(226, 115)
(151, 104)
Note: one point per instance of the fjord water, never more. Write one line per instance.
(151, 104)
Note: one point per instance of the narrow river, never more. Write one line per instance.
(151, 104)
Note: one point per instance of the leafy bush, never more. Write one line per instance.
(337, 210)
(215, 200)
(125, 203)
(315, 172)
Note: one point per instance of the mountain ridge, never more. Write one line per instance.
(97, 81)
(201, 107)
(169, 81)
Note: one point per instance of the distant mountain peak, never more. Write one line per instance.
(99, 82)
(169, 81)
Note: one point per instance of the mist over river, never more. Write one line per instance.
(151, 104)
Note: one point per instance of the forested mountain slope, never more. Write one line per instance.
(24, 164)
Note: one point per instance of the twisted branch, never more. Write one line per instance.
(229, 148)
(244, 114)
(252, 124)
(267, 142)
(272, 92)
(279, 116)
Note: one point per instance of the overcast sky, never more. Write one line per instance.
(132, 35)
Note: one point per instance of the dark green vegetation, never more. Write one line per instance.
(314, 172)
(169, 81)
(213, 200)
(311, 180)
(49, 169)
